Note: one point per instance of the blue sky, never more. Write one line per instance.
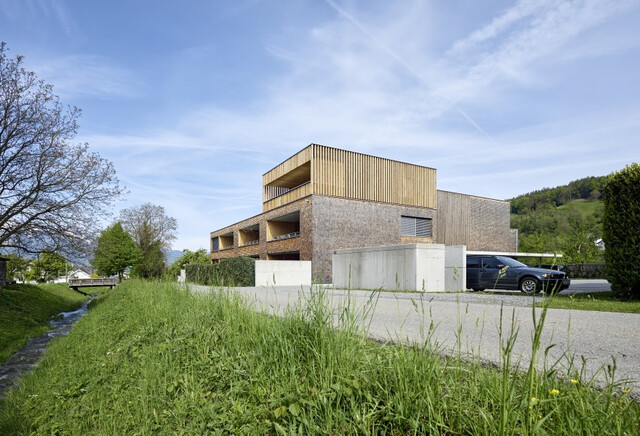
(194, 100)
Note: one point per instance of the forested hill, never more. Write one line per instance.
(588, 188)
(566, 219)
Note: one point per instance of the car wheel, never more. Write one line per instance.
(529, 285)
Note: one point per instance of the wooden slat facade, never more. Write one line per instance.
(342, 173)
(453, 218)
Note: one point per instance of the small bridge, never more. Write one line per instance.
(76, 284)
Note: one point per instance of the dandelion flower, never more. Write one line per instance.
(554, 392)
(574, 381)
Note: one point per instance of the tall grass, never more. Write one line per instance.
(25, 311)
(151, 358)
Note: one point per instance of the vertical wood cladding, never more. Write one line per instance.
(345, 223)
(341, 173)
(479, 223)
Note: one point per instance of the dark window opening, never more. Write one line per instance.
(415, 226)
(290, 255)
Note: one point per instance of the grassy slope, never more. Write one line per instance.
(25, 311)
(151, 358)
(586, 207)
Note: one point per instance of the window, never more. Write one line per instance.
(473, 262)
(414, 226)
(216, 244)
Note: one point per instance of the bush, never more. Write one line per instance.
(621, 222)
(236, 271)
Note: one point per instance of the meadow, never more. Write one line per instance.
(151, 357)
(25, 311)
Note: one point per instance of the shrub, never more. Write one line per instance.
(621, 222)
(236, 271)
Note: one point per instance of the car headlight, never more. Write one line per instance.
(545, 276)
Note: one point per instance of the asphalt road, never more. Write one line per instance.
(475, 323)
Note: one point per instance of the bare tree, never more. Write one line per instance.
(52, 192)
(148, 223)
(152, 230)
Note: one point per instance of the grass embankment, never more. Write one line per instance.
(152, 358)
(598, 301)
(25, 311)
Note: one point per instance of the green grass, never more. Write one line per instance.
(598, 301)
(25, 311)
(586, 207)
(151, 358)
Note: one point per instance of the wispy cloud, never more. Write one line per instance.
(87, 76)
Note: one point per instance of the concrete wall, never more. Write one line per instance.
(455, 268)
(408, 267)
(345, 223)
(283, 273)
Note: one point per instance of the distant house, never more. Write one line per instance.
(78, 273)
(3, 272)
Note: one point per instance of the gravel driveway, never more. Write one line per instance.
(475, 320)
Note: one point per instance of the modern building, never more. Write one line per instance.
(323, 198)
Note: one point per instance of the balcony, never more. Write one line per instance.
(284, 227)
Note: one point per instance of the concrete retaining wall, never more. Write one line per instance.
(283, 272)
(455, 268)
(408, 267)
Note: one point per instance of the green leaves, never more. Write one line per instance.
(115, 251)
(621, 222)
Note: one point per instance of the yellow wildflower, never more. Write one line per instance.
(626, 391)
(554, 392)
(534, 400)
(574, 381)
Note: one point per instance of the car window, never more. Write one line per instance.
(473, 262)
(490, 262)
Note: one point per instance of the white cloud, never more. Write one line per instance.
(88, 76)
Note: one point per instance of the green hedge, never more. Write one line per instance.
(236, 271)
(620, 224)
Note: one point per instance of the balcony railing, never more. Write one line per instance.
(285, 236)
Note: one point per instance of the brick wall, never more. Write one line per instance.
(345, 223)
(264, 247)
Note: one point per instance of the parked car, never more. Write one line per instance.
(501, 272)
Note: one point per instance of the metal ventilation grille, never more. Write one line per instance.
(414, 226)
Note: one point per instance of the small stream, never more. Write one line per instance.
(26, 358)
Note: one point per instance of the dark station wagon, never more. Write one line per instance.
(501, 272)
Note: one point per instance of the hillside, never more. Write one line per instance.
(588, 188)
(566, 219)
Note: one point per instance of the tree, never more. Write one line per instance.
(51, 265)
(620, 223)
(115, 251)
(51, 191)
(17, 267)
(152, 230)
(198, 257)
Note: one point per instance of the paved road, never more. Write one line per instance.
(598, 337)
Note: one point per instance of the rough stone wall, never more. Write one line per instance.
(264, 247)
(477, 222)
(345, 223)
